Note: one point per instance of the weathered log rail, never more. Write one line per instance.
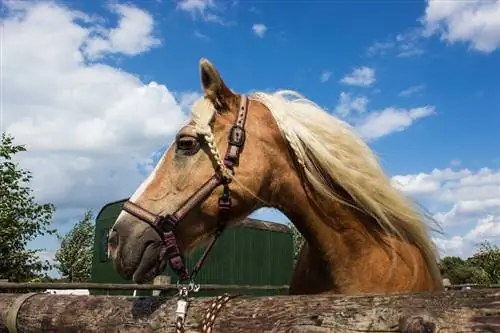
(475, 310)
(170, 287)
(130, 286)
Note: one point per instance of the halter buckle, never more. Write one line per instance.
(166, 223)
(225, 203)
(237, 136)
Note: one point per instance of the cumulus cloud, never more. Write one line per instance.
(87, 125)
(486, 229)
(475, 22)
(132, 36)
(464, 199)
(259, 29)
(389, 120)
(361, 76)
(374, 124)
(204, 9)
(347, 104)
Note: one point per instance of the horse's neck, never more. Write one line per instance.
(343, 242)
(347, 254)
(335, 236)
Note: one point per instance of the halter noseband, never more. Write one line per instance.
(165, 225)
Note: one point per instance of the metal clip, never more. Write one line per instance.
(186, 288)
(194, 287)
(182, 305)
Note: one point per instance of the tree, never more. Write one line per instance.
(450, 267)
(482, 268)
(22, 219)
(74, 258)
(488, 259)
(468, 273)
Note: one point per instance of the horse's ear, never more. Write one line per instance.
(214, 87)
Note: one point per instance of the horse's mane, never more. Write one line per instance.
(328, 149)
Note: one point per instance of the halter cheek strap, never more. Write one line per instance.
(166, 225)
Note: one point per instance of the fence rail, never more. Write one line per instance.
(464, 311)
(473, 285)
(118, 286)
(169, 286)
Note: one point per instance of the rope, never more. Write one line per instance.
(209, 319)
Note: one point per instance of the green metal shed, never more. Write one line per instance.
(254, 252)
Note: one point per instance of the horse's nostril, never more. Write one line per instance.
(112, 239)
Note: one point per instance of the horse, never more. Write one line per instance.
(283, 151)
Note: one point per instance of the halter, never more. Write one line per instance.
(165, 225)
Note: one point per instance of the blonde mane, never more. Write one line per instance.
(329, 150)
(325, 145)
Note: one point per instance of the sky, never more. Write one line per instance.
(97, 90)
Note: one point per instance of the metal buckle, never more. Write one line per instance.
(237, 136)
(165, 223)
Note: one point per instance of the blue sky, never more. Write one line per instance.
(419, 80)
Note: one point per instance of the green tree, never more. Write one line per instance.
(74, 257)
(488, 259)
(468, 274)
(450, 264)
(22, 219)
(482, 268)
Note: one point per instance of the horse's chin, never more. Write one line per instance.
(151, 265)
(153, 260)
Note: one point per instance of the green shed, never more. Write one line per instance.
(254, 252)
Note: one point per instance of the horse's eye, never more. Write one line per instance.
(187, 144)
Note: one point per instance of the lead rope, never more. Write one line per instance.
(208, 319)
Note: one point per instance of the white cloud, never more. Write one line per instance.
(416, 184)
(325, 76)
(362, 77)
(454, 246)
(474, 22)
(202, 8)
(377, 124)
(487, 228)
(259, 29)
(412, 90)
(86, 125)
(462, 198)
(347, 104)
(380, 48)
(132, 36)
(406, 44)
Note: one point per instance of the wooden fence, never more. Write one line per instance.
(475, 310)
